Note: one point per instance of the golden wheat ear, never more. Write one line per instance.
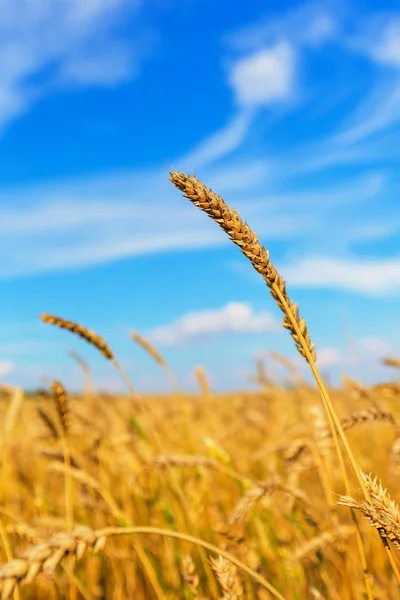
(61, 402)
(92, 338)
(87, 334)
(241, 235)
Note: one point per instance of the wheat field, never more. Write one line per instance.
(285, 492)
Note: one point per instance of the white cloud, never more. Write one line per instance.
(77, 224)
(6, 367)
(327, 357)
(235, 317)
(51, 42)
(388, 49)
(364, 350)
(372, 347)
(264, 77)
(379, 277)
(378, 37)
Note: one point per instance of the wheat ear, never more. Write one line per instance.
(92, 338)
(381, 512)
(227, 577)
(392, 362)
(157, 357)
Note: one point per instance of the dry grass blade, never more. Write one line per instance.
(87, 334)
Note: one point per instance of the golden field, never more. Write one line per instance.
(252, 473)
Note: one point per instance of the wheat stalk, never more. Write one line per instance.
(247, 240)
(85, 369)
(61, 401)
(202, 380)
(45, 557)
(157, 357)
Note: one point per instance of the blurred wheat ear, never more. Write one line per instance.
(92, 338)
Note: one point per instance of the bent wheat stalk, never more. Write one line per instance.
(241, 234)
(47, 556)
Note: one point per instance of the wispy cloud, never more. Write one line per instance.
(51, 43)
(257, 80)
(235, 317)
(376, 114)
(379, 277)
(373, 347)
(96, 220)
(220, 143)
(364, 350)
(312, 24)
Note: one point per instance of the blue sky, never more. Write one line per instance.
(290, 112)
